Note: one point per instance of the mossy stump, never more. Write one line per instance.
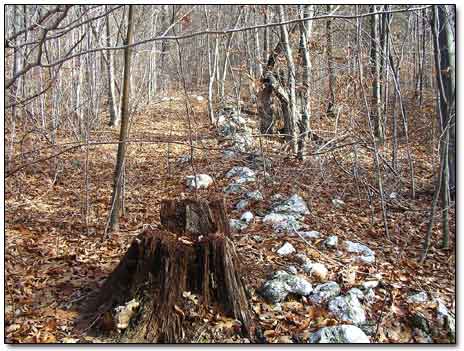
(191, 253)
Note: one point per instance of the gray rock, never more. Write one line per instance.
(302, 259)
(324, 292)
(295, 205)
(348, 309)
(446, 320)
(243, 142)
(282, 222)
(356, 292)
(367, 255)
(239, 120)
(229, 154)
(338, 203)
(234, 188)
(340, 334)
(331, 242)
(307, 267)
(419, 321)
(258, 161)
(451, 328)
(241, 172)
(199, 181)
(420, 297)
(358, 248)
(229, 124)
(277, 198)
(442, 311)
(281, 283)
(369, 297)
(365, 259)
(242, 204)
(286, 250)
(184, 159)
(422, 337)
(370, 284)
(296, 284)
(274, 290)
(227, 129)
(254, 195)
(237, 225)
(288, 226)
(220, 119)
(393, 195)
(247, 217)
(273, 218)
(369, 328)
(312, 234)
(229, 105)
(305, 262)
(292, 270)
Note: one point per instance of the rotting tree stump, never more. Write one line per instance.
(191, 253)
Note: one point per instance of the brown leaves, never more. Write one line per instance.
(44, 337)
(49, 262)
(395, 332)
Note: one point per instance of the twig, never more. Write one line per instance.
(379, 320)
(93, 323)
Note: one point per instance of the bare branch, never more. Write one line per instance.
(228, 31)
(35, 25)
(38, 60)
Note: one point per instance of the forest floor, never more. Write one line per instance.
(53, 260)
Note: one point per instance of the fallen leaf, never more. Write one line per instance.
(12, 328)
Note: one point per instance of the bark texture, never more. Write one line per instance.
(192, 253)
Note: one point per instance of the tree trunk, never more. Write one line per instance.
(448, 76)
(445, 70)
(14, 87)
(422, 59)
(291, 118)
(192, 255)
(304, 93)
(383, 71)
(330, 73)
(259, 67)
(115, 198)
(266, 34)
(375, 69)
(226, 57)
(153, 78)
(165, 46)
(212, 66)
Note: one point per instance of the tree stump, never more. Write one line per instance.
(192, 253)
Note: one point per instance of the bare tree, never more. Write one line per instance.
(118, 173)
